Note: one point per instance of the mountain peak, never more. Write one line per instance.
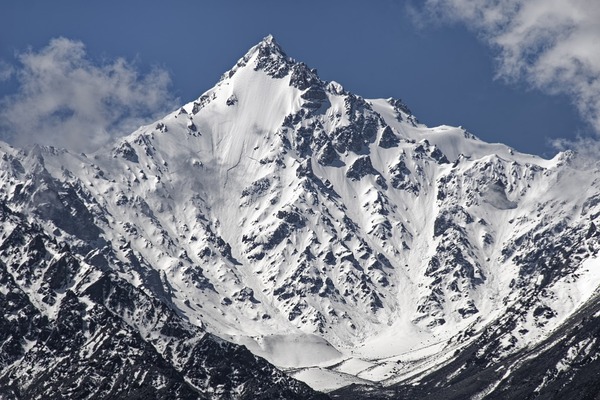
(266, 55)
(330, 234)
(270, 42)
(267, 47)
(271, 58)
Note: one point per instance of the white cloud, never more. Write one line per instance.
(553, 45)
(6, 71)
(66, 100)
(586, 151)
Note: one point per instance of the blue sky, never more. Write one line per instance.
(456, 62)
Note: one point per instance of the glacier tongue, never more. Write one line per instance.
(325, 231)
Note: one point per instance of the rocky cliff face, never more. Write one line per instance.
(334, 236)
(72, 328)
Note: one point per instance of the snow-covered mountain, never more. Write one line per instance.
(336, 237)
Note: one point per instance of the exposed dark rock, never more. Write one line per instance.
(361, 168)
(127, 152)
(388, 138)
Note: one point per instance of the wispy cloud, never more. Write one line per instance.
(6, 71)
(66, 100)
(553, 45)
